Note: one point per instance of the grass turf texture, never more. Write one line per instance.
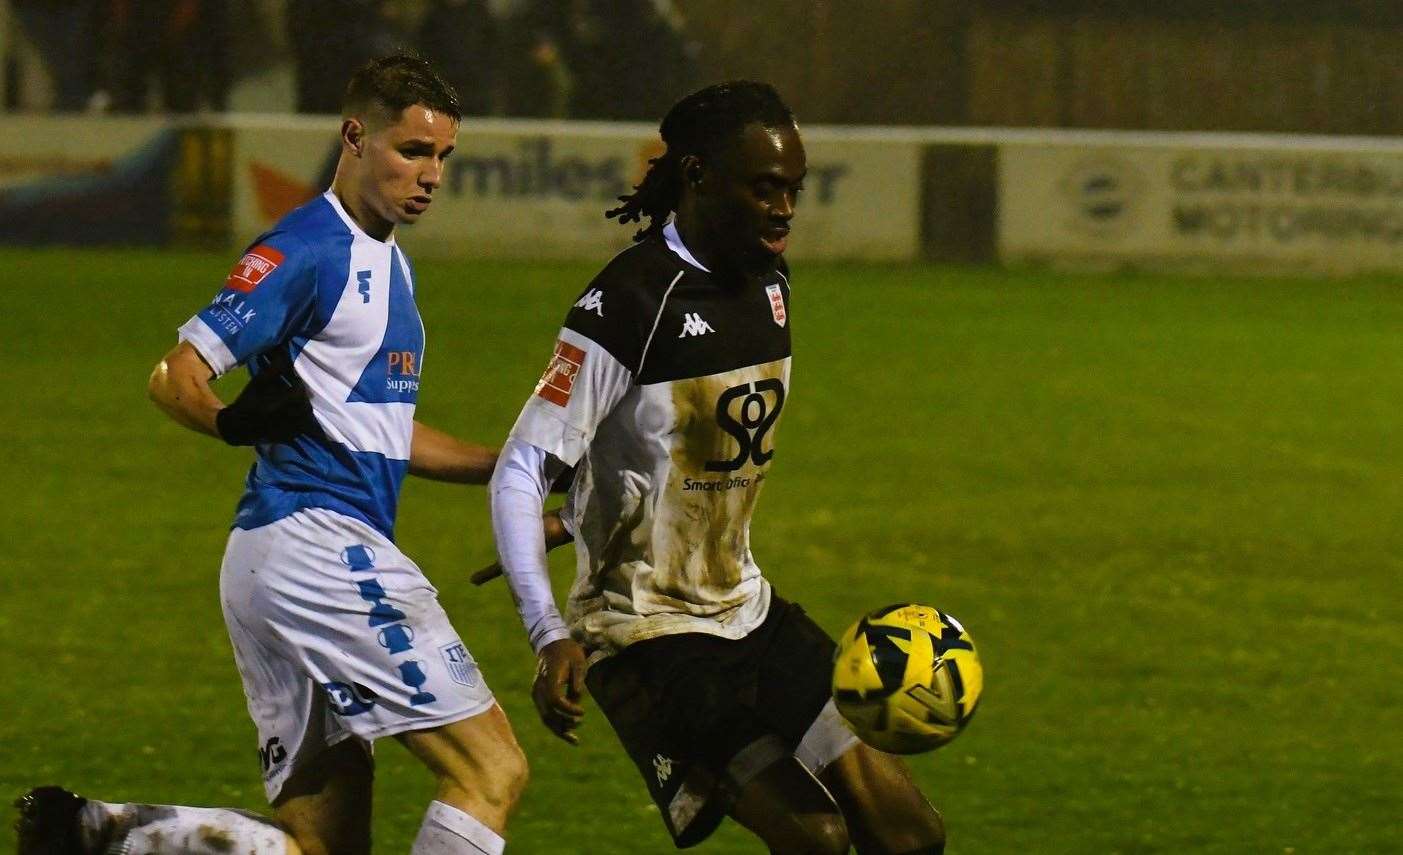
(1167, 510)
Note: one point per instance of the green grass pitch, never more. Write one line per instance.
(1169, 510)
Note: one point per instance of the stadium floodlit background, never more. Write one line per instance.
(1097, 347)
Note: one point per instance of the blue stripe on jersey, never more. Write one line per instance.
(392, 376)
(314, 473)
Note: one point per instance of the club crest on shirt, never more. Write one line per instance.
(559, 380)
(776, 295)
(253, 268)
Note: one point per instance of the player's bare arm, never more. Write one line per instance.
(438, 456)
(272, 407)
(179, 386)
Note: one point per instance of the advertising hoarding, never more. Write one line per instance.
(1288, 207)
(539, 190)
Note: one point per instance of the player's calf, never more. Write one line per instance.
(885, 810)
(474, 801)
(481, 773)
(900, 833)
(325, 803)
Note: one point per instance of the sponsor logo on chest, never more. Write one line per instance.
(402, 371)
(375, 308)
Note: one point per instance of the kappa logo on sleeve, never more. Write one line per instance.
(256, 264)
(592, 302)
(559, 380)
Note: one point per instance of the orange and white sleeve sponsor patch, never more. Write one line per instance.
(256, 264)
(559, 380)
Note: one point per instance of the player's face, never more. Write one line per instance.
(748, 194)
(403, 163)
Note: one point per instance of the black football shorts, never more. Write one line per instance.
(701, 715)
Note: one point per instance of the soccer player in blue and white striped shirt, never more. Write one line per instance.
(338, 636)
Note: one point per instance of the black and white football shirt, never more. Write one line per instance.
(665, 391)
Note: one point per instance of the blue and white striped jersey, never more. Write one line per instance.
(341, 304)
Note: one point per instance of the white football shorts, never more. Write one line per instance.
(338, 635)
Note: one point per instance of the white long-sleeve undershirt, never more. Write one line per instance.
(518, 492)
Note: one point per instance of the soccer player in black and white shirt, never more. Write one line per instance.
(665, 393)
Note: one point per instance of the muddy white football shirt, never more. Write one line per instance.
(665, 391)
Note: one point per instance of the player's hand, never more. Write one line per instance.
(559, 688)
(273, 407)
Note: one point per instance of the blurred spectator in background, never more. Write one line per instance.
(628, 60)
(330, 36)
(65, 33)
(460, 38)
(587, 59)
(535, 81)
(598, 59)
(181, 45)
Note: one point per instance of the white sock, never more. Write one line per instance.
(449, 831)
(177, 830)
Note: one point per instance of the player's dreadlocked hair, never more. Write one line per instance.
(701, 124)
(397, 81)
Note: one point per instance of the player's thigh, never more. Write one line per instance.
(325, 803)
(787, 808)
(884, 808)
(478, 756)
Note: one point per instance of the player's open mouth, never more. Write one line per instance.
(417, 205)
(776, 240)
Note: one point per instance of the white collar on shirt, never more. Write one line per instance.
(674, 243)
(350, 221)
